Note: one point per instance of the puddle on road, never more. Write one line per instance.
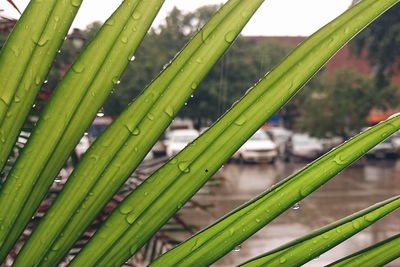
(354, 189)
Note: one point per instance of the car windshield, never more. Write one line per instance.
(259, 136)
(304, 140)
(184, 138)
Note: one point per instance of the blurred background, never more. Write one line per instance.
(358, 88)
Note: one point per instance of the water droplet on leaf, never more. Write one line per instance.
(230, 36)
(237, 248)
(136, 15)
(76, 3)
(184, 166)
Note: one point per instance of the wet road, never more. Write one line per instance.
(354, 189)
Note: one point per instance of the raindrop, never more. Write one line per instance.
(100, 114)
(132, 58)
(78, 67)
(126, 209)
(150, 116)
(237, 248)
(136, 15)
(191, 96)
(296, 206)
(41, 42)
(370, 217)
(194, 86)
(46, 81)
(136, 131)
(110, 22)
(241, 120)
(37, 80)
(15, 51)
(185, 104)
(230, 36)
(76, 3)
(124, 39)
(282, 260)
(59, 51)
(169, 111)
(85, 134)
(231, 231)
(115, 80)
(130, 219)
(356, 224)
(184, 166)
(339, 160)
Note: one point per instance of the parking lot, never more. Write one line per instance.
(365, 183)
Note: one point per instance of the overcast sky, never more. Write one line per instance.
(275, 17)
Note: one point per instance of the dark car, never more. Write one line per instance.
(386, 149)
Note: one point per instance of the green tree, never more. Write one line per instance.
(241, 67)
(339, 106)
(382, 41)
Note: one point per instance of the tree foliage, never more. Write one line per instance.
(382, 41)
(340, 105)
(241, 67)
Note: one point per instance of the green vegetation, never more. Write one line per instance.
(339, 106)
(312, 245)
(376, 255)
(119, 150)
(379, 38)
(86, 85)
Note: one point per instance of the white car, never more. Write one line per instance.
(303, 146)
(178, 140)
(280, 136)
(259, 148)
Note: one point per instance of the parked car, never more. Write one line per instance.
(280, 136)
(259, 148)
(396, 141)
(387, 148)
(178, 140)
(303, 146)
(331, 142)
